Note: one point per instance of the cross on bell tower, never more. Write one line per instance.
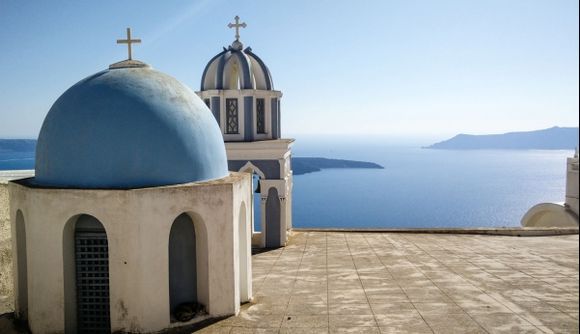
(237, 26)
(128, 41)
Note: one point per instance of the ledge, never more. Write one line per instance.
(507, 231)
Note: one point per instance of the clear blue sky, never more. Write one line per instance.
(382, 68)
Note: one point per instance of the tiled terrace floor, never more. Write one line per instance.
(326, 282)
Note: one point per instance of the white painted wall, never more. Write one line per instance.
(6, 256)
(138, 224)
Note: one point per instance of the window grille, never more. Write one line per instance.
(232, 126)
(92, 280)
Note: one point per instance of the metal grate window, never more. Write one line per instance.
(207, 103)
(260, 116)
(92, 275)
(232, 116)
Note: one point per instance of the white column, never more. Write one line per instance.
(283, 216)
(289, 199)
(263, 216)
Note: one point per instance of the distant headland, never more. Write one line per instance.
(304, 165)
(555, 138)
(300, 165)
(17, 145)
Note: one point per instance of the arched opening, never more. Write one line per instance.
(21, 268)
(86, 276)
(273, 232)
(188, 284)
(243, 252)
(257, 175)
(257, 223)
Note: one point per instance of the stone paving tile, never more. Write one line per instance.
(320, 299)
(254, 321)
(389, 290)
(264, 309)
(273, 299)
(350, 309)
(342, 321)
(410, 322)
(556, 322)
(246, 330)
(385, 298)
(567, 306)
(215, 329)
(347, 296)
(304, 330)
(393, 318)
(453, 323)
(438, 308)
(406, 328)
(389, 308)
(327, 282)
(504, 323)
(305, 321)
(426, 294)
(306, 309)
(480, 303)
(354, 330)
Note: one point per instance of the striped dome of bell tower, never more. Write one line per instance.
(237, 87)
(236, 69)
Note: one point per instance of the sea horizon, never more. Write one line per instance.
(418, 188)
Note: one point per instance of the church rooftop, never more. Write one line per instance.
(353, 282)
(330, 282)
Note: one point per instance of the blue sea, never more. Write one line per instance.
(16, 160)
(418, 188)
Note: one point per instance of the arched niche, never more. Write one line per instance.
(188, 262)
(21, 267)
(86, 276)
(273, 228)
(231, 74)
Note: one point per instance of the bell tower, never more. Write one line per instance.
(237, 87)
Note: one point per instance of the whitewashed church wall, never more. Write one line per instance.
(6, 279)
(138, 267)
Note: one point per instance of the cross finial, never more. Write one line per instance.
(237, 25)
(128, 41)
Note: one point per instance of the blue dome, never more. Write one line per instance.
(128, 128)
